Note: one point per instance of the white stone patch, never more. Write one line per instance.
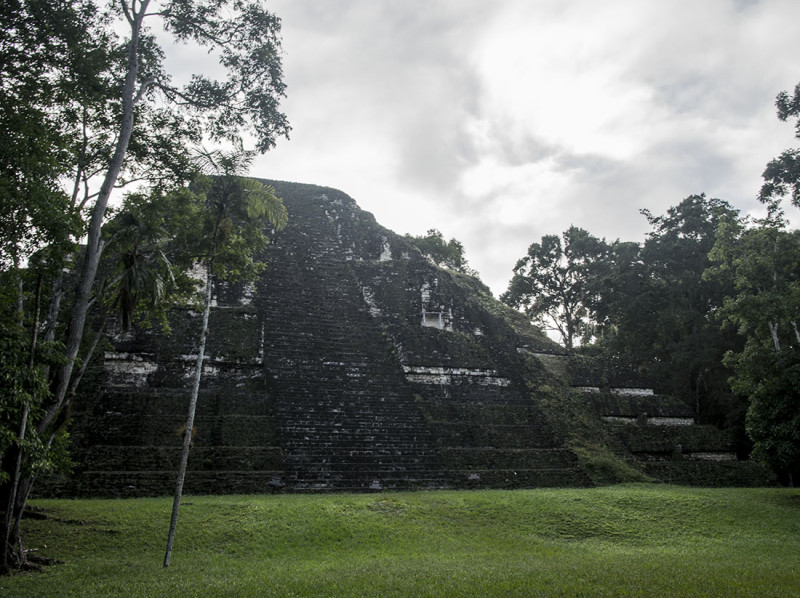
(127, 369)
(386, 253)
(369, 298)
(124, 336)
(209, 370)
(539, 354)
(425, 293)
(615, 419)
(712, 456)
(670, 421)
(633, 392)
(651, 421)
(442, 375)
(626, 392)
(248, 293)
(438, 319)
(199, 272)
(260, 358)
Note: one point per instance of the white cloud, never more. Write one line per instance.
(499, 122)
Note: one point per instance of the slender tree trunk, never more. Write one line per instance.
(94, 244)
(187, 436)
(796, 331)
(54, 308)
(773, 330)
(7, 539)
(94, 249)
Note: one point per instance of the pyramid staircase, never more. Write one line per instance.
(661, 434)
(495, 437)
(345, 418)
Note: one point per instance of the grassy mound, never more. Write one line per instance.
(630, 540)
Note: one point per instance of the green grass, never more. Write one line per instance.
(631, 540)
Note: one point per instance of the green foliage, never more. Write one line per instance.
(771, 382)
(24, 386)
(763, 264)
(630, 540)
(82, 104)
(247, 40)
(655, 307)
(782, 175)
(604, 466)
(41, 48)
(142, 281)
(236, 213)
(552, 283)
(445, 254)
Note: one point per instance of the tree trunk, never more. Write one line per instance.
(55, 306)
(94, 249)
(7, 539)
(187, 436)
(94, 244)
(776, 341)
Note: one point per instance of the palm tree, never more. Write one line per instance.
(236, 208)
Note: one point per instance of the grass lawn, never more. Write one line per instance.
(631, 540)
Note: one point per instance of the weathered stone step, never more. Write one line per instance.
(129, 484)
(711, 473)
(635, 405)
(252, 458)
(227, 430)
(519, 478)
(666, 439)
(166, 402)
(330, 448)
(456, 434)
(506, 458)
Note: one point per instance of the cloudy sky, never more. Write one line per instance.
(499, 121)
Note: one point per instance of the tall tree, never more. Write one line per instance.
(763, 263)
(782, 175)
(237, 210)
(246, 36)
(38, 43)
(551, 283)
(42, 48)
(127, 121)
(657, 308)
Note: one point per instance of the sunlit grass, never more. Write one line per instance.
(635, 540)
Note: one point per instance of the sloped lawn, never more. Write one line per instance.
(632, 540)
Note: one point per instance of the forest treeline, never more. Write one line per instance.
(707, 307)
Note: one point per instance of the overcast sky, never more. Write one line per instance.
(499, 121)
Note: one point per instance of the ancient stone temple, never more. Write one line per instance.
(354, 364)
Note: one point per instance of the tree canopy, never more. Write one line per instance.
(762, 260)
(782, 175)
(445, 254)
(87, 106)
(552, 284)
